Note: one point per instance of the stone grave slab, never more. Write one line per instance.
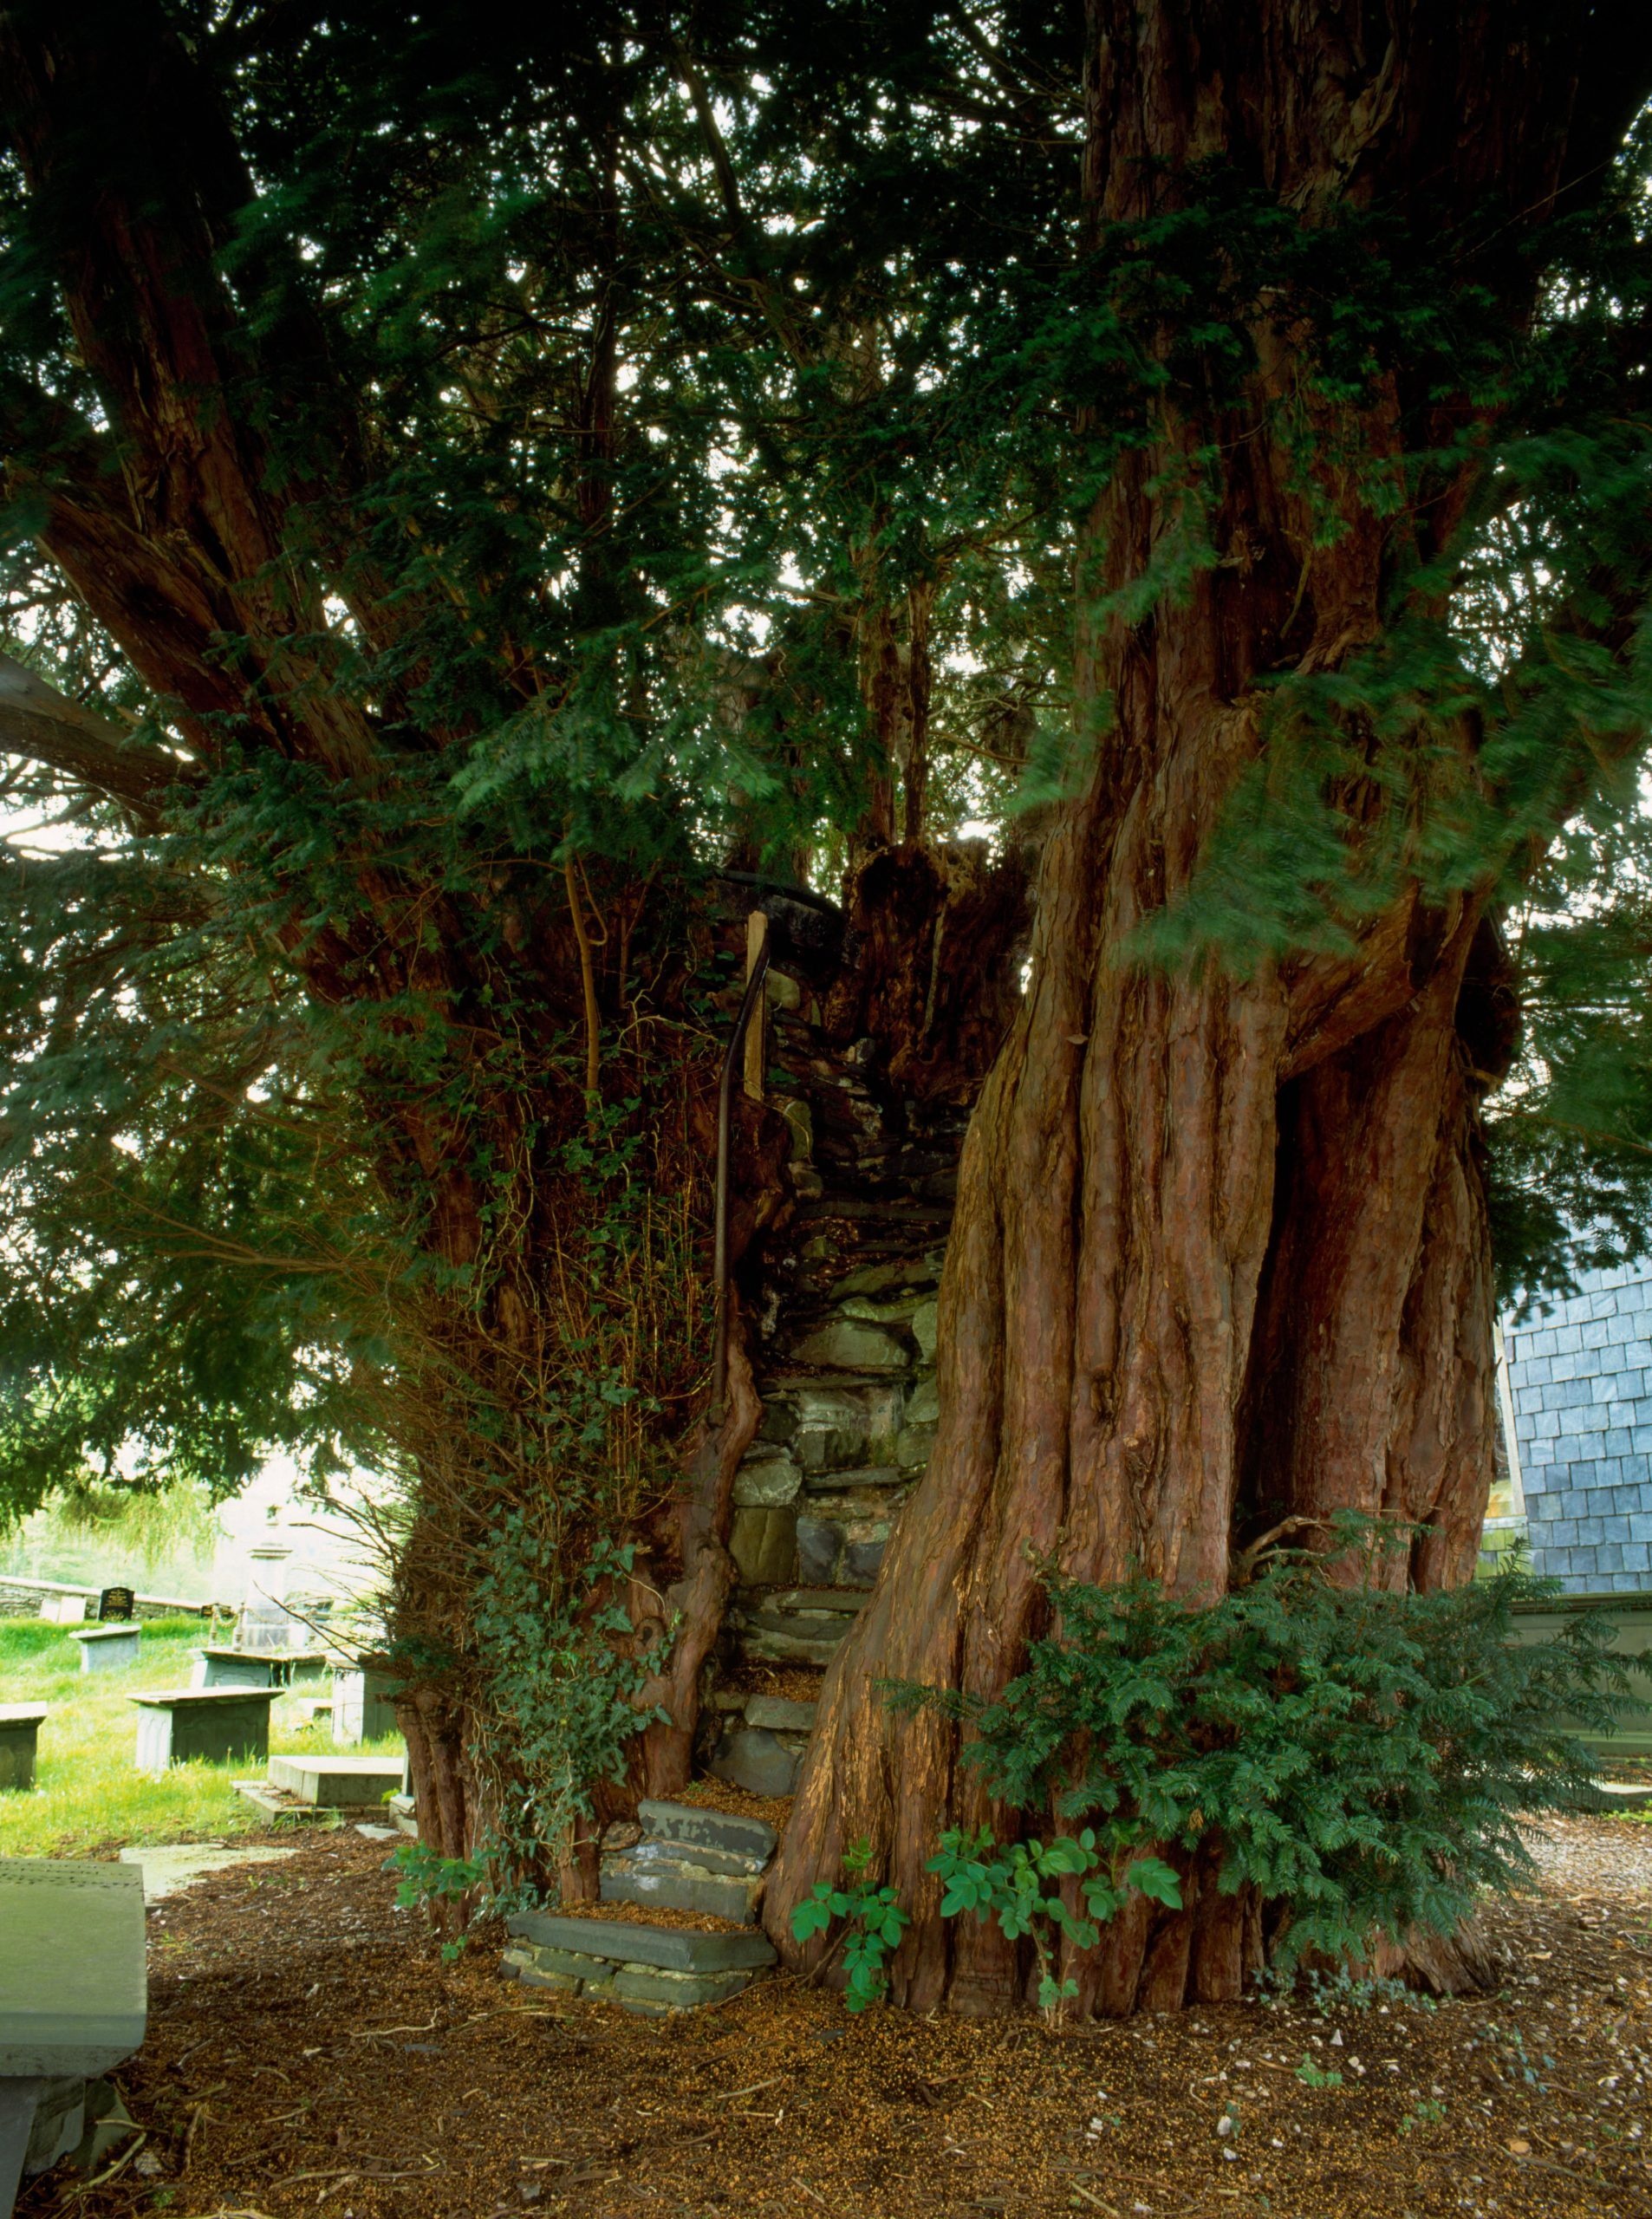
(74, 2000)
(336, 1783)
(177, 1725)
(107, 1649)
(170, 1867)
(19, 1731)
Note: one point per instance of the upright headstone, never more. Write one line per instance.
(73, 2001)
(116, 1605)
(107, 1649)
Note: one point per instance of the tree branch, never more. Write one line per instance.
(43, 725)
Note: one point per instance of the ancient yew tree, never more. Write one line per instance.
(1221, 1258)
(477, 498)
(465, 508)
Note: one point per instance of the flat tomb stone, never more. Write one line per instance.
(73, 1991)
(107, 1649)
(337, 1782)
(233, 1668)
(19, 1730)
(622, 1942)
(178, 1726)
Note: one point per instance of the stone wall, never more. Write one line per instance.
(25, 1599)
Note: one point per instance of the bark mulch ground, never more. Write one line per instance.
(309, 2052)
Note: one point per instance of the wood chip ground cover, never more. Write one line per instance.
(309, 2051)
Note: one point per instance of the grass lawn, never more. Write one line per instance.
(88, 1794)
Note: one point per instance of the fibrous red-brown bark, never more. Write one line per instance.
(1220, 1256)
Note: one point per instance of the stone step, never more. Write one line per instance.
(650, 1970)
(779, 1715)
(848, 1600)
(665, 1876)
(761, 1646)
(668, 1855)
(700, 1828)
(763, 1752)
(829, 1626)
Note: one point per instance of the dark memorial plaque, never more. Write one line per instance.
(117, 1604)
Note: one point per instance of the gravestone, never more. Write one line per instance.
(336, 1783)
(232, 1668)
(19, 1728)
(116, 1604)
(181, 1724)
(73, 2001)
(107, 1649)
(219, 1666)
(363, 1707)
(265, 1622)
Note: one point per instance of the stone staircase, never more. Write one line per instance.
(845, 1367)
(846, 1372)
(688, 1858)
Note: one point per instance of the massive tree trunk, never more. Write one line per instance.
(1220, 1256)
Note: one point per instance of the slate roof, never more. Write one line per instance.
(1580, 1384)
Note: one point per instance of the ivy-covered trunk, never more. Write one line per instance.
(517, 1264)
(1220, 1258)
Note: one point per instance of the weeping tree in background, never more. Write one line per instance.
(429, 468)
(1361, 624)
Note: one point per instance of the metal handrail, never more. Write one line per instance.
(719, 1253)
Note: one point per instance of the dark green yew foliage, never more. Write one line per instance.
(1361, 1759)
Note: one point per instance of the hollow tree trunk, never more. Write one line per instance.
(1221, 1254)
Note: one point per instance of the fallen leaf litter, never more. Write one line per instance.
(308, 2051)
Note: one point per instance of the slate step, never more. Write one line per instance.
(845, 1600)
(758, 1760)
(786, 1644)
(778, 1715)
(664, 1876)
(650, 1971)
(706, 1829)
